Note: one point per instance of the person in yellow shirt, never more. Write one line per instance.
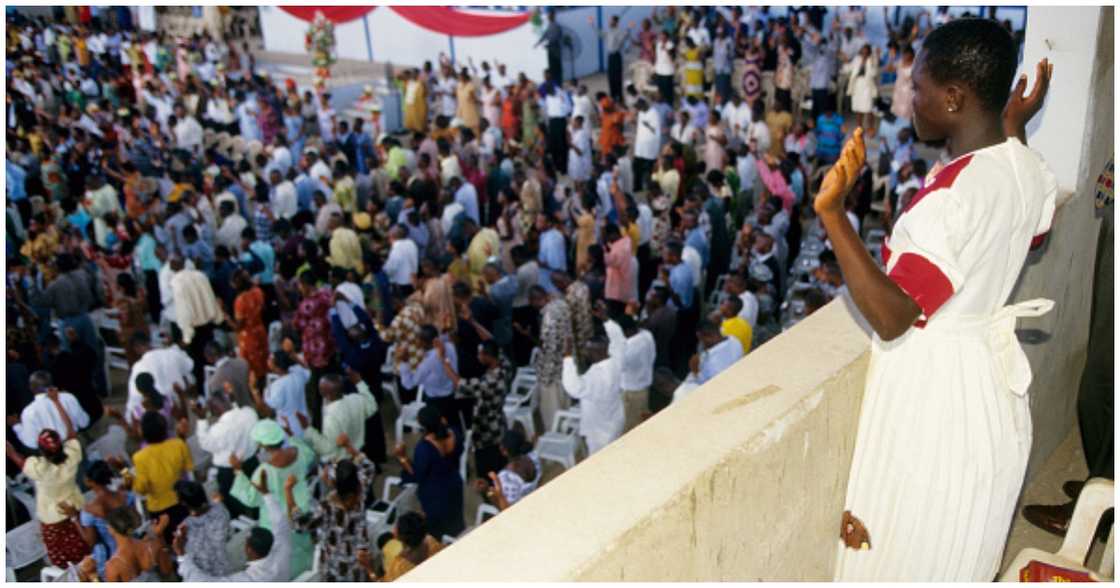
(345, 247)
(484, 243)
(160, 464)
(733, 325)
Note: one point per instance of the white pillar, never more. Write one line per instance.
(1067, 36)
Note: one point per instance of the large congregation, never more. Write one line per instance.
(306, 318)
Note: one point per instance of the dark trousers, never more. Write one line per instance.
(647, 269)
(723, 85)
(176, 514)
(202, 336)
(488, 459)
(614, 76)
(448, 408)
(665, 84)
(558, 142)
(615, 308)
(642, 170)
(314, 400)
(684, 342)
(783, 99)
(1095, 399)
(271, 305)
(225, 484)
(820, 98)
(555, 67)
(375, 446)
(155, 307)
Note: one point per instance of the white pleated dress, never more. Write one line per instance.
(945, 429)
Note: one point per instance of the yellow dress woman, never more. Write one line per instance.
(693, 70)
(415, 104)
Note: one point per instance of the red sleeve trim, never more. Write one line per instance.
(922, 281)
(944, 179)
(885, 252)
(1038, 240)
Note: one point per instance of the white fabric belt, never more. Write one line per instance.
(999, 331)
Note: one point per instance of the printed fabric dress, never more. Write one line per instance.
(752, 76)
(252, 338)
(945, 427)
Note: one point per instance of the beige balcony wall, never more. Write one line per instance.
(742, 480)
(745, 479)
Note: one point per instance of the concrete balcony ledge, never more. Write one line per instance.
(743, 480)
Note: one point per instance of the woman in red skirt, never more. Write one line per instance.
(57, 496)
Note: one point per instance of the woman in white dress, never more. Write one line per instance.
(579, 151)
(863, 85)
(491, 103)
(945, 426)
(903, 94)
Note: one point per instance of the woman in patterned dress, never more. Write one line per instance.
(252, 337)
(752, 73)
(337, 523)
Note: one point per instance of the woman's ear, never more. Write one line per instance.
(954, 98)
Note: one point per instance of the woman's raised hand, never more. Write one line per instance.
(840, 179)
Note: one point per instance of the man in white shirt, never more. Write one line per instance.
(197, 312)
(736, 285)
(225, 429)
(404, 258)
(166, 294)
(599, 390)
(229, 234)
(188, 133)
(647, 143)
(43, 412)
(283, 196)
(343, 414)
(170, 368)
(637, 367)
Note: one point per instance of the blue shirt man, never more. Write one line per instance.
(16, 179)
(681, 281)
(698, 241)
(467, 196)
(552, 257)
(263, 251)
(430, 373)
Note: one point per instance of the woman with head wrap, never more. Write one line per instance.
(54, 473)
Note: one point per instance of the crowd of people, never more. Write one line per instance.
(273, 274)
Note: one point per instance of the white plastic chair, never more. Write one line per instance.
(275, 336)
(521, 403)
(112, 443)
(389, 377)
(24, 546)
(381, 517)
(560, 444)
(410, 415)
(207, 375)
(1095, 498)
(530, 370)
(108, 319)
(468, 446)
(312, 575)
(485, 512)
